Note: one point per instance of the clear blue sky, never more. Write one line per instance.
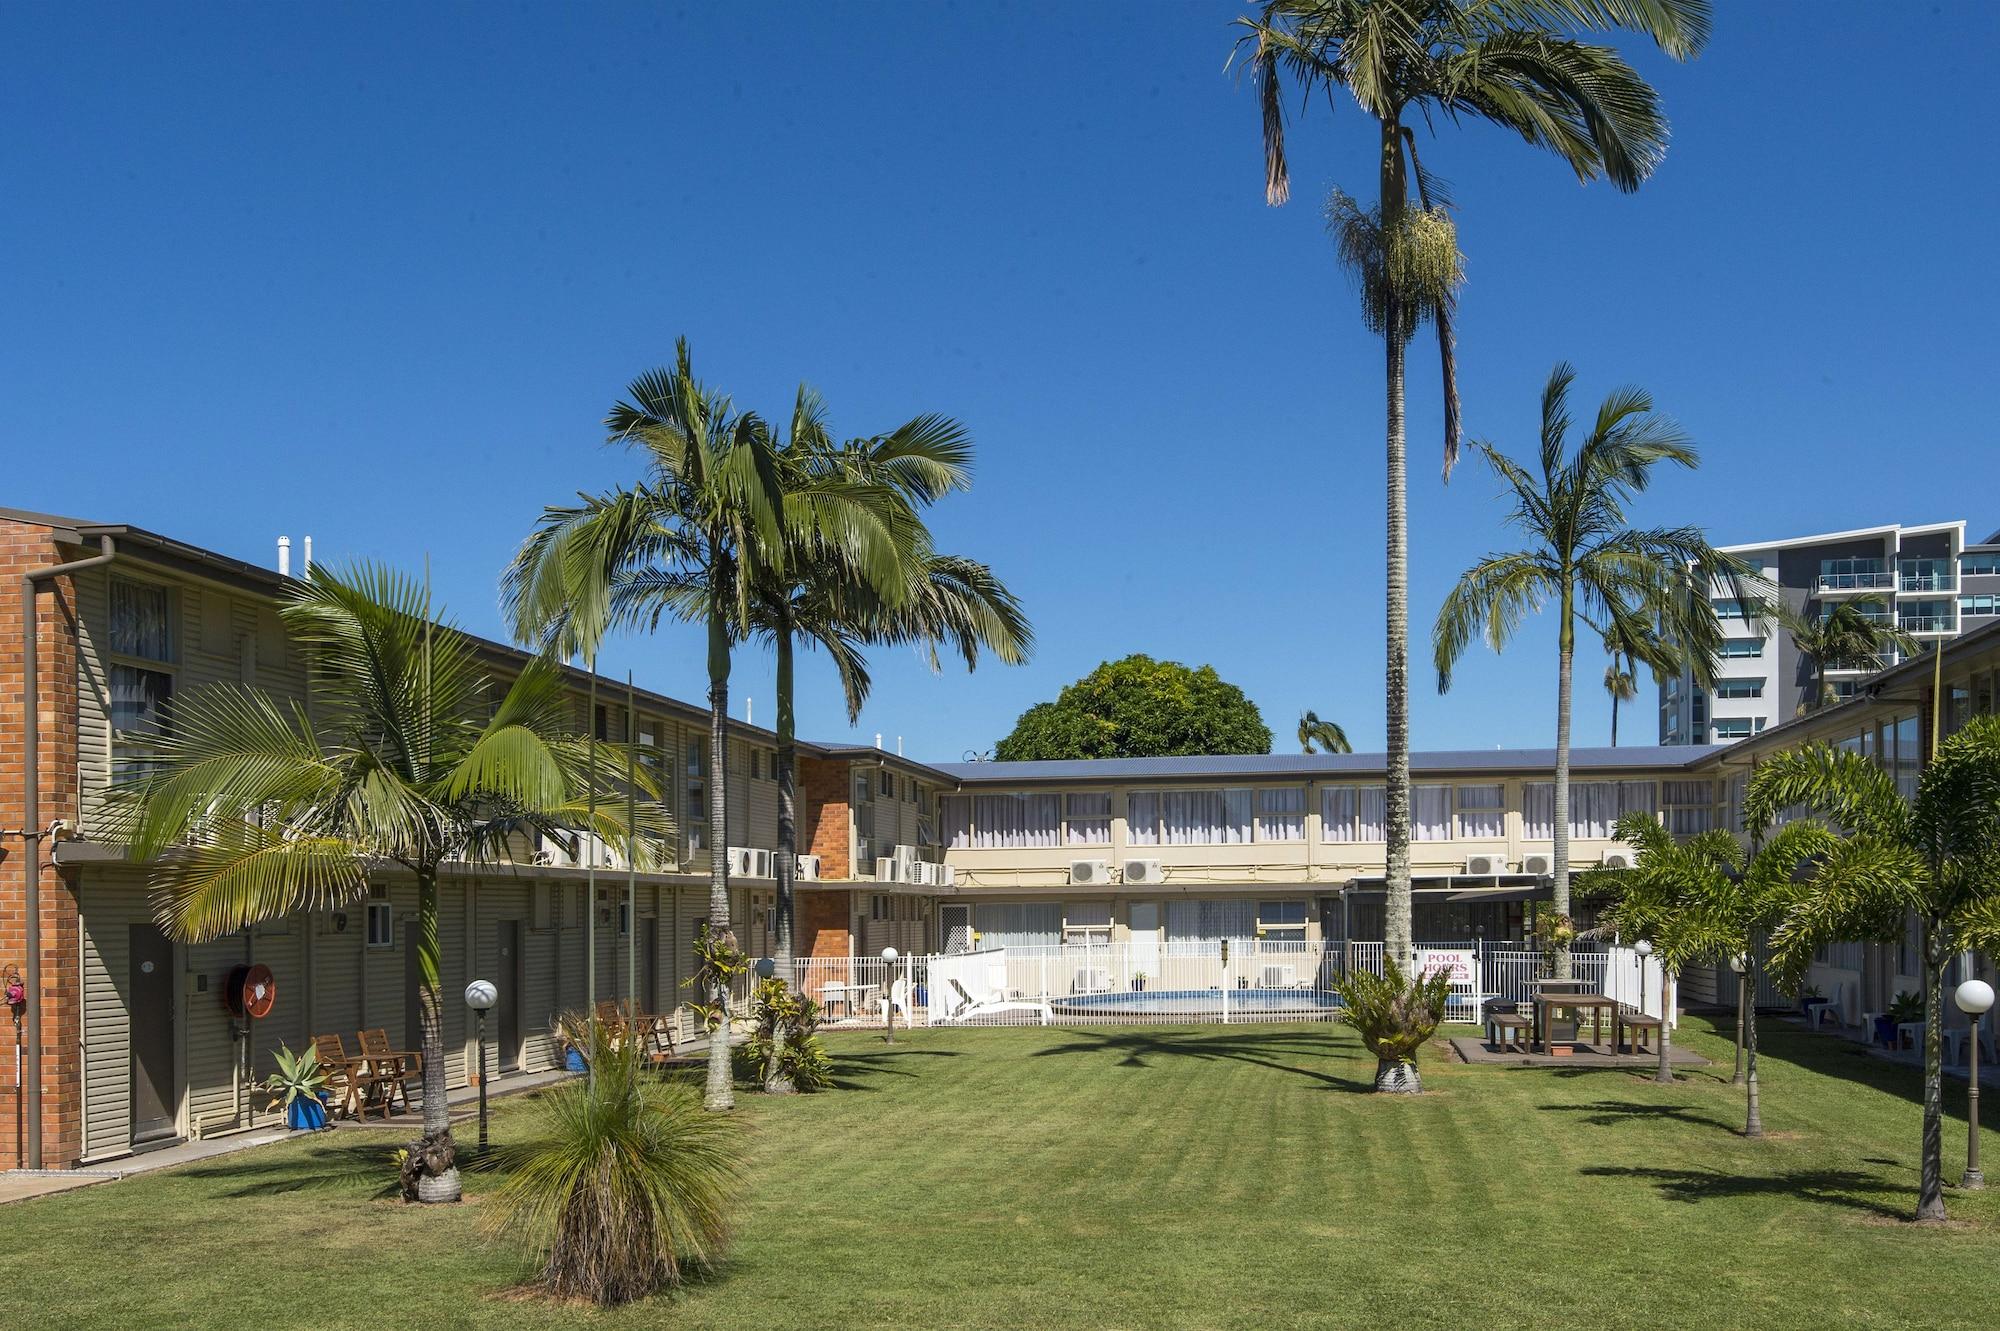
(375, 273)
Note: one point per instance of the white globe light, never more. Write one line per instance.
(1739, 963)
(888, 954)
(1643, 948)
(1973, 997)
(481, 995)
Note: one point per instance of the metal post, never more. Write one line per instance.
(482, 1081)
(1972, 1177)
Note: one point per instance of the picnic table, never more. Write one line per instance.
(1548, 1000)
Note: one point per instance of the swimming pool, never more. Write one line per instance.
(1200, 1003)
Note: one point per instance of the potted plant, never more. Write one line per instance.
(1907, 1007)
(301, 1081)
(1138, 981)
(570, 1032)
(1809, 998)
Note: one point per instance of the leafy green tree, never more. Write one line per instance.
(685, 543)
(258, 807)
(1320, 736)
(1138, 707)
(859, 569)
(1936, 857)
(1854, 634)
(1395, 1016)
(1516, 64)
(1645, 585)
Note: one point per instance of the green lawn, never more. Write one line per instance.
(1144, 1178)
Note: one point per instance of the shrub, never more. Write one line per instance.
(624, 1186)
(783, 1046)
(1395, 1017)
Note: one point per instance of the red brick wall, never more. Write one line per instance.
(22, 547)
(825, 923)
(823, 817)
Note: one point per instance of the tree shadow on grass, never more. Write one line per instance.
(881, 1063)
(258, 1174)
(1847, 1188)
(1135, 1048)
(1610, 1113)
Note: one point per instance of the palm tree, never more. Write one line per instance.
(1513, 63)
(687, 542)
(1320, 736)
(859, 569)
(1621, 680)
(1633, 582)
(1936, 857)
(260, 807)
(1855, 634)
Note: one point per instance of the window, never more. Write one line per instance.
(1984, 563)
(1737, 788)
(1538, 811)
(1742, 647)
(1926, 617)
(1482, 812)
(1430, 813)
(697, 801)
(140, 643)
(1923, 575)
(1017, 923)
(1087, 922)
(1852, 574)
(1593, 807)
(1206, 921)
(1689, 806)
(1336, 814)
(1284, 919)
(1189, 817)
(1739, 688)
(381, 917)
(888, 786)
(1730, 607)
(600, 722)
(1373, 818)
(1281, 814)
(1979, 605)
(1732, 727)
(1089, 820)
(955, 817)
(756, 764)
(1016, 822)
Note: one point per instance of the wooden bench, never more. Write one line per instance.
(1639, 1023)
(391, 1067)
(1508, 1031)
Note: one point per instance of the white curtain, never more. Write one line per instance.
(1281, 814)
(1638, 797)
(1593, 808)
(1336, 813)
(1016, 822)
(1482, 812)
(1374, 815)
(1018, 923)
(1430, 813)
(1205, 817)
(1208, 920)
(955, 812)
(141, 621)
(1142, 818)
(1089, 821)
(1690, 806)
(1538, 811)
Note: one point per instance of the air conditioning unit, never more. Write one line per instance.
(805, 866)
(743, 861)
(1616, 859)
(907, 857)
(1089, 873)
(947, 876)
(862, 846)
(887, 870)
(1539, 865)
(760, 864)
(1145, 871)
(1485, 866)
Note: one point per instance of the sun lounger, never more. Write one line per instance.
(965, 1007)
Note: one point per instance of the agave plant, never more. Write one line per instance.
(624, 1187)
(1395, 1016)
(783, 1044)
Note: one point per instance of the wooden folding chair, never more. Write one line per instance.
(390, 1067)
(347, 1077)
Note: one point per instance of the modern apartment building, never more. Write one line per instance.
(133, 1044)
(1927, 580)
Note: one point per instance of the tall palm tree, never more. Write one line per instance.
(1518, 64)
(1936, 857)
(1317, 736)
(1620, 684)
(686, 542)
(859, 569)
(260, 807)
(1636, 583)
(1854, 634)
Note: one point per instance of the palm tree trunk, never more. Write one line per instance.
(1559, 891)
(1396, 935)
(430, 1171)
(719, 1093)
(1930, 1187)
(1753, 1118)
(1742, 1006)
(775, 1081)
(1614, 720)
(1665, 1073)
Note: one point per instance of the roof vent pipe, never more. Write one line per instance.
(899, 746)
(749, 717)
(284, 556)
(878, 739)
(306, 571)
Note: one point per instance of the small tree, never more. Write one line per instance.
(1322, 736)
(1140, 708)
(1395, 1016)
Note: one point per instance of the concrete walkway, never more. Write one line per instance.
(1989, 1074)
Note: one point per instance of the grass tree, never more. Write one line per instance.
(859, 569)
(685, 542)
(1519, 64)
(1935, 857)
(1318, 736)
(1645, 586)
(1853, 634)
(257, 807)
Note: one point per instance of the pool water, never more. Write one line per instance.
(1198, 1002)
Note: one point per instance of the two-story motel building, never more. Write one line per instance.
(137, 1047)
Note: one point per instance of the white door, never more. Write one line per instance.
(1143, 920)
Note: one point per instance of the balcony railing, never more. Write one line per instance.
(1927, 624)
(1863, 581)
(1937, 579)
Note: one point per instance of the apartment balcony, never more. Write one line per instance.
(1935, 623)
(1854, 584)
(1912, 583)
